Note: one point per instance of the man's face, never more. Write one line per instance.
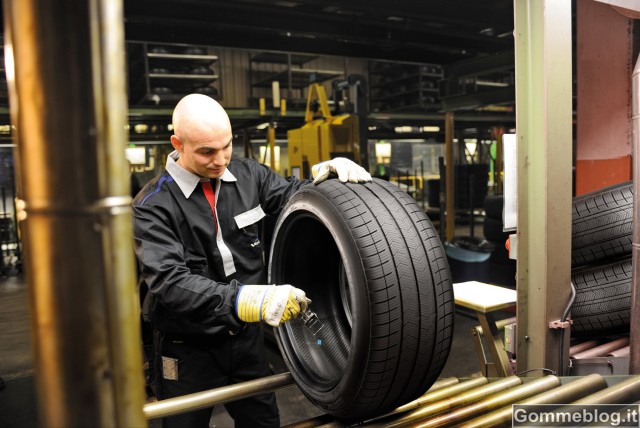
(208, 158)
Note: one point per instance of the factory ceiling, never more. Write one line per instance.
(470, 39)
(431, 31)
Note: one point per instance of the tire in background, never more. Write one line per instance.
(373, 265)
(603, 299)
(493, 206)
(492, 230)
(602, 225)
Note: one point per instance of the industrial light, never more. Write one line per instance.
(403, 129)
(264, 125)
(407, 129)
(140, 128)
(383, 149)
(490, 83)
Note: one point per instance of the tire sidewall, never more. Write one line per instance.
(310, 200)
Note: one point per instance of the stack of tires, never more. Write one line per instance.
(600, 258)
(502, 269)
(601, 261)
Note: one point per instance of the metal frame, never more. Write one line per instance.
(544, 125)
(477, 333)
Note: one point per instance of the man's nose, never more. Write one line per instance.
(218, 158)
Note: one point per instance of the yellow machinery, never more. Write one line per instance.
(322, 138)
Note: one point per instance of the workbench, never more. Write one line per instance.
(485, 299)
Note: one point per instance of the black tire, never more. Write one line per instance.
(492, 229)
(602, 225)
(377, 274)
(603, 299)
(493, 206)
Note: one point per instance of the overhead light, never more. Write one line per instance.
(383, 149)
(430, 129)
(490, 83)
(287, 3)
(373, 128)
(263, 125)
(487, 31)
(140, 128)
(403, 129)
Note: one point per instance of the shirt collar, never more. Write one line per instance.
(187, 181)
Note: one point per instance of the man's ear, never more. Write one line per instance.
(176, 143)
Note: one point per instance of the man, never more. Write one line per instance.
(196, 229)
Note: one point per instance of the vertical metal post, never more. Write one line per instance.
(271, 144)
(543, 123)
(634, 333)
(66, 75)
(498, 166)
(449, 180)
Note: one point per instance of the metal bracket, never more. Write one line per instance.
(560, 324)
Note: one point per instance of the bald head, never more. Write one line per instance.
(202, 135)
(196, 114)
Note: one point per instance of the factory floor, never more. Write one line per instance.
(17, 398)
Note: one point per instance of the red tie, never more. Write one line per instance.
(211, 198)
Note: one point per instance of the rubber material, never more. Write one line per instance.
(603, 299)
(602, 225)
(493, 206)
(372, 264)
(492, 229)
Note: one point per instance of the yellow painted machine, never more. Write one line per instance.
(322, 138)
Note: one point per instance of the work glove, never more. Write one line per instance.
(270, 303)
(346, 169)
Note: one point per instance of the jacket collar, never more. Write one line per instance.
(185, 179)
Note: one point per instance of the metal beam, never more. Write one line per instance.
(65, 70)
(212, 397)
(482, 65)
(450, 200)
(479, 99)
(193, 33)
(543, 123)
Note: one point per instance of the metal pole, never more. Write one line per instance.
(543, 122)
(431, 396)
(498, 166)
(634, 333)
(271, 144)
(563, 394)
(410, 418)
(66, 75)
(212, 397)
(450, 181)
(512, 395)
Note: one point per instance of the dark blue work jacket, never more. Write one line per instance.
(191, 266)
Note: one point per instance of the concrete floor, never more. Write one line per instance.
(17, 399)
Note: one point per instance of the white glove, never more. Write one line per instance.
(346, 169)
(270, 303)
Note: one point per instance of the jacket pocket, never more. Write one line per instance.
(247, 222)
(250, 217)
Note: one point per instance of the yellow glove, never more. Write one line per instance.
(346, 169)
(270, 303)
